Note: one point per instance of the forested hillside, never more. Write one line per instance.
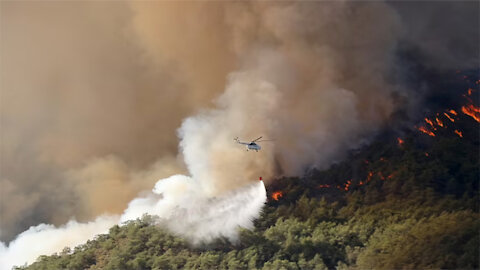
(407, 200)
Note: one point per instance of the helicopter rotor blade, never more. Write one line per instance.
(257, 139)
(265, 140)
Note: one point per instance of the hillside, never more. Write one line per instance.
(402, 201)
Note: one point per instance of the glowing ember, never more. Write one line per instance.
(277, 195)
(400, 143)
(459, 133)
(426, 154)
(439, 122)
(469, 91)
(472, 111)
(347, 185)
(449, 117)
(323, 186)
(453, 112)
(426, 131)
(369, 177)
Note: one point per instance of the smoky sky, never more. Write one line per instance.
(93, 93)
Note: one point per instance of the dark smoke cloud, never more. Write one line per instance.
(92, 93)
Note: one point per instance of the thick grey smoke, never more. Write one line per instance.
(92, 93)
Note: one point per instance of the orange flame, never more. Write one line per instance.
(448, 116)
(426, 131)
(429, 122)
(459, 133)
(277, 195)
(400, 143)
(469, 91)
(472, 111)
(439, 122)
(323, 186)
(453, 112)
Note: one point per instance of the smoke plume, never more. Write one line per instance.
(96, 95)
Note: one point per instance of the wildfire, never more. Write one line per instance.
(472, 111)
(426, 131)
(347, 185)
(323, 186)
(400, 142)
(459, 133)
(369, 177)
(469, 91)
(439, 122)
(453, 112)
(277, 195)
(426, 154)
(430, 122)
(448, 116)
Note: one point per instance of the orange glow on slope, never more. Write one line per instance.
(459, 133)
(469, 91)
(400, 143)
(448, 116)
(277, 195)
(426, 131)
(472, 111)
(453, 112)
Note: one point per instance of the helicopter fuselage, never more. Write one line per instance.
(253, 146)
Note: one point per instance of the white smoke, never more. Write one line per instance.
(176, 200)
(45, 239)
(187, 211)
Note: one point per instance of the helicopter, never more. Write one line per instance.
(253, 144)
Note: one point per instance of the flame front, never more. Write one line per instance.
(277, 195)
(430, 123)
(459, 133)
(426, 131)
(449, 117)
(439, 122)
(472, 111)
